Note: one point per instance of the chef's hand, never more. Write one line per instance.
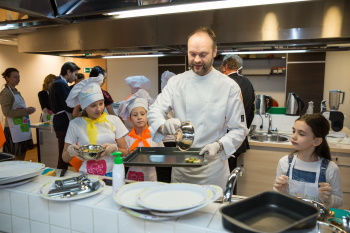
(281, 183)
(109, 149)
(30, 110)
(325, 194)
(212, 149)
(170, 126)
(73, 150)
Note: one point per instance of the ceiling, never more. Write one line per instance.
(82, 28)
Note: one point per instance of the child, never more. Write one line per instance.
(140, 136)
(94, 127)
(309, 172)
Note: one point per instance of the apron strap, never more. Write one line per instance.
(324, 166)
(290, 159)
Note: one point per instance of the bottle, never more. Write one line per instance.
(118, 171)
(310, 108)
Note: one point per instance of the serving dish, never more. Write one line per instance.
(90, 152)
(270, 212)
(164, 157)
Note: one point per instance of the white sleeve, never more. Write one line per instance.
(120, 129)
(334, 180)
(71, 135)
(282, 168)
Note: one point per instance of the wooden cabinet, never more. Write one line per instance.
(260, 164)
(262, 66)
(47, 146)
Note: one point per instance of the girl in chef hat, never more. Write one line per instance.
(136, 83)
(139, 136)
(309, 172)
(94, 127)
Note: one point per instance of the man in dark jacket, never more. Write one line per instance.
(231, 66)
(59, 92)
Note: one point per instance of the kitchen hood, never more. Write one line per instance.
(83, 28)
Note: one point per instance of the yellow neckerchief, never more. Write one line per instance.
(144, 135)
(91, 128)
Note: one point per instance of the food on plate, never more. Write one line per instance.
(192, 160)
(91, 150)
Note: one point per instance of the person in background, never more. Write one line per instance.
(80, 77)
(58, 94)
(212, 102)
(17, 125)
(139, 136)
(94, 127)
(309, 172)
(43, 96)
(164, 173)
(136, 83)
(232, 65)
(108, 101)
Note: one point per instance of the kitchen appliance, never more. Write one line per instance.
(335, 117)
(294, 105)
(262, 104)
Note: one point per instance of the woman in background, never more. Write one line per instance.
(44, 98)
(17, 125)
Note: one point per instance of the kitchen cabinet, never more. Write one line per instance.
(264, 66)
(260, 164)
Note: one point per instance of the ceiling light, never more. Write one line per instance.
(6, 27)
(265, 52)
(135, 56)
(213, 5)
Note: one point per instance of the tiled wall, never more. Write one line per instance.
(282, 122)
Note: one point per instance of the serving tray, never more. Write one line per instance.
(163, 157)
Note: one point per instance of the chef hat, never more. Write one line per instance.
(86, 92)
(235, 57)
(165, 77)
(126, 106)
(138, 82)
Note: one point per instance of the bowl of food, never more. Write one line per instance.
(184, 136)
(90, 152)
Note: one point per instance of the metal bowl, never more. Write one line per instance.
(90, 152)
(184, 136)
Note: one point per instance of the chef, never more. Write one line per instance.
(136, 83)
(212, 102)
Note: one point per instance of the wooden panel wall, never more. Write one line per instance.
(176, 64)
(85, 63)
(305, 77)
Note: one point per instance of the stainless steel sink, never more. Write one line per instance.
(269, 138)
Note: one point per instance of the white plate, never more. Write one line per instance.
(217, 192)
(16, 183)
(145, 214)
(51, 185)
(19, 178)
(127, 194)
(11, 169)
(173, 197)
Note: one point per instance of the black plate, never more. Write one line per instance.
(163, 157)
(269, 212)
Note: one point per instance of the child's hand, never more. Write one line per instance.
(73, 150)
(281, 183)
(109, 149)
(325, 194)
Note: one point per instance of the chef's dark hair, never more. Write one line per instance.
(320, 128)
(71, 66)
(207, 30)
(8, 72)
(96, 71)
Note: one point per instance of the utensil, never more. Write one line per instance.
(63, 171)
(294, 105)
(184, 136)
(262, 104)
(324, 212)
(91, 152)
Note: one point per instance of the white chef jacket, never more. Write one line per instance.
(213, 104)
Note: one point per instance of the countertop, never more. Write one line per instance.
(41, 125)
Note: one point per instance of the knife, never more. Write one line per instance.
(63, 171)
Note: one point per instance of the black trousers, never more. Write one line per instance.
(60, 136)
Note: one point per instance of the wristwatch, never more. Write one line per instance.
(221, 146)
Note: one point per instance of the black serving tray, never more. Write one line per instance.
(6, 157)
(163, 157)
(270, 212)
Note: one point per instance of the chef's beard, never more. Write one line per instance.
(205, 68)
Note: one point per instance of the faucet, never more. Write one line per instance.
(270, 123)
(231, 182)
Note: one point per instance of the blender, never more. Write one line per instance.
(335, 117)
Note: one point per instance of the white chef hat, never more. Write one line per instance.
(126, 106)
(165, 77)
(86, 92)
(138, 82)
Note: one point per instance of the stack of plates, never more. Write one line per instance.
(161, 201)
(13, 173)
